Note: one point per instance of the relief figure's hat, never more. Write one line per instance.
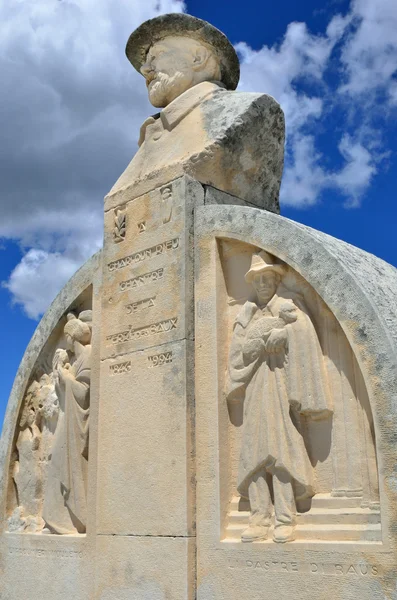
(157, 29)
(262, 261)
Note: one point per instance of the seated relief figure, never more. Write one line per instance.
(276, 369)
(231, 140)
(65, 499)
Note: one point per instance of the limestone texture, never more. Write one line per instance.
(183, 25)
(208, 408)
(167, 515)
(232, 141)
(343, 538)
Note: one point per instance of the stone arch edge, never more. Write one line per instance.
(76, 285)
(318, 258)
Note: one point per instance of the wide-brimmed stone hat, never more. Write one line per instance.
(181, 24)
(262, 261)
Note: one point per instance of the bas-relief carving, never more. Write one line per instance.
(120, 224)
(166, 203)
(32, 451)
(231, 140)
(300, 414)
(50, 458)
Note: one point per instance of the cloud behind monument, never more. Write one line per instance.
(72, 108)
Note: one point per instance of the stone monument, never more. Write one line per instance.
(207, 409)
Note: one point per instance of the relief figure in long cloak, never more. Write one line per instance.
(276, 369)
(65, 501)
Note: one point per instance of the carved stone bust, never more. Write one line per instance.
(233, 141)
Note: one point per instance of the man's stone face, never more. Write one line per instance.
(168, 69)
(265, 284)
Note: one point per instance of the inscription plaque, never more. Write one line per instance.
(159, 265)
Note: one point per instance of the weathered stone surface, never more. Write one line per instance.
(148, 272)
(147, 373)
(52, 566)
(176, 24)
(233, 141)
(239, 370)
(147, 433)
(65, 300)
(141, 531)
(45, 566)
(342, 541)
(145, 568)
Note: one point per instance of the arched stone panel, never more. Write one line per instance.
(357, 290)
(76, 295)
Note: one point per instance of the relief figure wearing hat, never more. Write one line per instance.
(276, 368)
(231, 140)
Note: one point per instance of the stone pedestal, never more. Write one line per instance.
(343, 542)
(165, 517)
(146, 471)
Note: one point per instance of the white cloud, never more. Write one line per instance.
(362, 47)
(356, 175)
(275, 70)
(71, 110)
(52, 257)
(72, 106)
(39, 276)
(369, 55)
(305, 178)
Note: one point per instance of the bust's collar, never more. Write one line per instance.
(179, 108)
(176, 110)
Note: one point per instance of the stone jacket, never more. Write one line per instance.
(233, 141)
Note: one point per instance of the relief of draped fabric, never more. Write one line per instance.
(269, 386)
(65, 502)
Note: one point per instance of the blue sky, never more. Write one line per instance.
(71, 107)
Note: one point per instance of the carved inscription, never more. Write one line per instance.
(361, 569)
(140, 280)
(119, 225)
(119, 368)
(140, 305)
(147, 331)
(41, 552)
(141, 227)
(141, 255)
(160, 359)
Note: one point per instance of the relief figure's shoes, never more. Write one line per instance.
(255, 533)
(284, 533)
